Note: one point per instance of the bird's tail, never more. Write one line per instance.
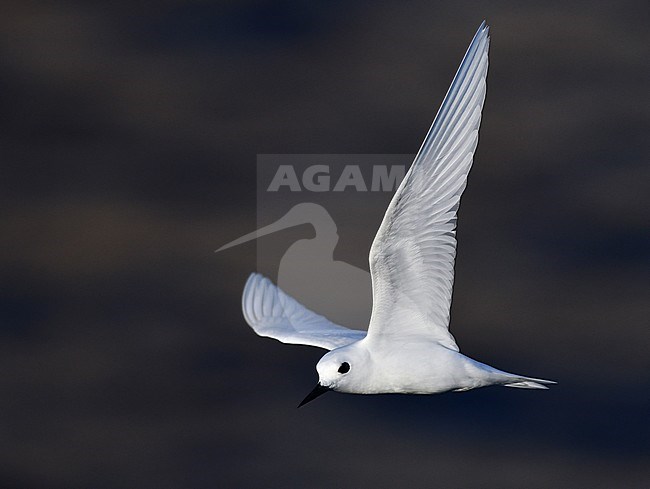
(526, 382)
(494, 376)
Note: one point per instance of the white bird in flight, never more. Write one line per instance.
(408, 348)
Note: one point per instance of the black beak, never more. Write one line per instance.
(319, 390)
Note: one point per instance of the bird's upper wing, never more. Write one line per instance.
(412, 256)
(273, 313)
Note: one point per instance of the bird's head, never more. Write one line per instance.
(341, 370)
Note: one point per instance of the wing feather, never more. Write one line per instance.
(412, 256)
(274, 314)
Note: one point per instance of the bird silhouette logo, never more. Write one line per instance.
(309, 272)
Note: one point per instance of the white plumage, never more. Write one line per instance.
(274, 314)
(408, 347)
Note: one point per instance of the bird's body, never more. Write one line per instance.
(410, 367)
(408, 348)
(423, 367)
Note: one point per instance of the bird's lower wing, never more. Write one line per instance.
(274, 314)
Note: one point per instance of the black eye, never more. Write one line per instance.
(344, 368)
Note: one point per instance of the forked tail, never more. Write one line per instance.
(494, 376)
(527, 382)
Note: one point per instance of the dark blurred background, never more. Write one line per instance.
(128, 140)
